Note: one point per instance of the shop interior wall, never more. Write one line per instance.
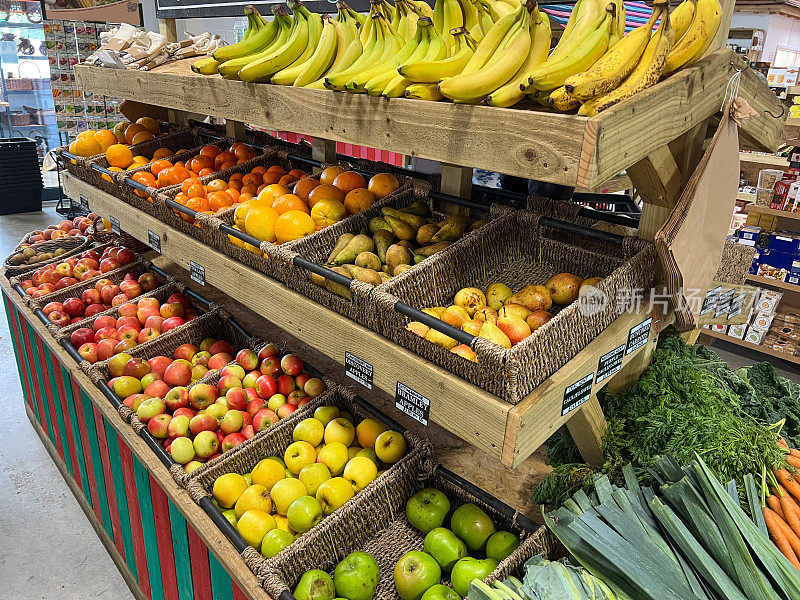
(224, 26)
(781, 30)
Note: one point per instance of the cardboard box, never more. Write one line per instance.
(749, 234)
(762, 321)
(768, 301)
(737, 331)
(785, 242)
(754, 336)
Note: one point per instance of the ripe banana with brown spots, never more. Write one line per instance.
(697, 39)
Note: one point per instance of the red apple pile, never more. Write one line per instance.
(251, 395)
(75, 227)
(138, 322)
(88, 264)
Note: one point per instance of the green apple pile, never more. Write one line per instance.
(330, 460)
(355, 578)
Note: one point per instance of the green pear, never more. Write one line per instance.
(472, 525)
(443, 545)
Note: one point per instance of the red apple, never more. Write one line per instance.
(88, 351)
(106, 333)
(237, 398)
(154, 322)
(201, 358)
(221, 346)
(148, 282)
(249, 380)
(230, 441)
(291, 364)
(108, 292)
(185, 352)
(178, 299)
(284, 410)
(285, 384)
(251, 395)
(104, 321)
(256, 405)
(145, 312)
(74, 307)
(65, 282)
(109, 264)
(177, 397)
(93, 309)
(130, 288)
(119, 299)
(171, 323)
(81, 336)
(157, 388)
(128, 332)
(173, 309)
(267, 351)
(218, 361)
(295, 396)
(147, 334)
(247, 359)
(101, 283)
(301, 380)
(105, 348)
(159, 364)
(203, 422)
(126, 256)
(51, 306)
(128, 309)
(271, 366)
(303, 402)
(65, 269)
(136, 367)
(177, 374)
(159, 425)
(59, 317)
(185, 411)
(148, 301)
(125, 345)
(266, 386)
(89, 274)
(227, 382)
(132, 321)
(248, 431)
(91, 296)
(89, 262)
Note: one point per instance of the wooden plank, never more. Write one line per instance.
(657, 178)
(656, 116)
(167, 28)
(539, 415)
(769, 160)
(536, 144)
(749, 346)
(783, 214)
(789, 287)
(587, 427)
(323, 150)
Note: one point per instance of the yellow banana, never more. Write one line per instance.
(541, 35)
(698, 37)
(390, 59)
(423, 91)
(263, 68)
(367, 26)
(646, 73)
(437, 50)
(453, 18)
(615, 65)
(588, 17)
(561, 100)
(423, 9)
(230, 68)
(345, 55)
(469, 12)
(253, 43)
(486, 79)
(431, 71)
(491, 41)
(438, 17)
(618, 27)
(288, 75)
(681, 18)
(371, 52)
(551, 75)
(206, 66)
(573, 18)
(498, 9)
(414, 51)
(322, 58)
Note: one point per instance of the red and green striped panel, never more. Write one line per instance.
(11, 316)
(44, 370)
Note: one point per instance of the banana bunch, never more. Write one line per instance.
(258, 30)
(697, 36)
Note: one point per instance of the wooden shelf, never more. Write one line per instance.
(748, 345)
(744, 196)
(791, 287)
(783, 214)
(764, 159)
(510, 433)
(559, 148)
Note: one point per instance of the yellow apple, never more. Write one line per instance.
(283, 523)
(256, 497)
(254, 525)
(370, 454)
(368, 431)
(285, 492)
(360, 472)
(352, 451)
(298, 455)
(326, 414)
(227, 489)
(313, 476)
(309, 430)
(390, 446)
(334, 456)
(268, 472)
(340, 430)
(334, 493)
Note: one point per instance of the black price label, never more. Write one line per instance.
(710, 301)
(115, 225)
(737, 305)
(724, 303)
(577, 393)
(84, 202)
(411, 402)
(358, 370)
(638, 335)
(610, 363)
(154, 241)
(197, 273)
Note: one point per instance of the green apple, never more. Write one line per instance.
(427, 509)
(314, 476)
(326, 414)
(468, 569)
(414, 573)
(314, 585)
(443, 545)
(275, 541)
(501, 544)
(230, 515)
(304, 513)
(357, 576)
(440, 592)
(472, 525)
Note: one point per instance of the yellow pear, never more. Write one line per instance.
(440, 339)
(472, 326)
(472, 299)
(532, 297)
(496, 295)
(455, 315)
(492, 332)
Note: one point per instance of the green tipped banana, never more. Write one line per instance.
(322, 58)
(435, 70)
(262, 69)
(288, 75)
(254, 43)
(206, 66)
(391, 62)
(230, 68)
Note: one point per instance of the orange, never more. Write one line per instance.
(149, 124)
(304, 186)
(131, 130)
(233, 193)
(382, 185)
(219, 200)
(204, 172)
(119, 155)
(181, 198)
(260, 222)
(142, 136)
(261, 169)
(210, 150)
(240, 214)
(198, 204)
(252, 178)
(327, 212)
(287, 180)
(276, 169)
(325, 191)
(289, 202)
(293, 225)
(162, 153)
(349, 181)
(221, 158)
(271, 192)
(189, 182)
(216, 185)
(298, 173)
(271, 178)
(107, 177)
(357, 200)
(144, 178)
(201, 161)
(195, 189)
(329, 174)
(105, 138)
(243, 152)
(119, 131)
(87, 146)
(159, 166)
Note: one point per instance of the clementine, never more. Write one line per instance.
(216, 185)
(357, 200)
(219, 200)
(325, 191)
(119, 155)
(289, 202)
(159, 166)
(382, 185)
(349, 181)
(329, 174)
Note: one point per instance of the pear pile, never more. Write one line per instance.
(500, 315)
(397, 240)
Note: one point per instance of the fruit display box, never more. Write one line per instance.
(71, 245)
(515, 250)
(317, 249)
(277, 439)
(375, 522)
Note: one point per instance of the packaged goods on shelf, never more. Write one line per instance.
(737, 331)
(748, 235)
(767, 178)
(762, 321)
(768, 300)
(764, 196)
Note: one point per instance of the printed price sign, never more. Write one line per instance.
(115, 225)
(737, 305)
(710, 301)
(197, 273)
(358, 370)
(577, 393)
(154, 241)
(724, 303)
(411, 402)
(84, 202)
(610, 363)
(638, 335)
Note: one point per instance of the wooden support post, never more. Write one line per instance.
(166, 27)
(658, 178)
(456, 181)
(587, 427)
(323, 150)
(234, 129)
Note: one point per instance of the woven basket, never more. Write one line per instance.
(106, 237)
(72, 245)
(375, 522)
(515, 250)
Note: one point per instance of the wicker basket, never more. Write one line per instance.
(72, 246)
(516, 250)
(106, 237)
(375, 522)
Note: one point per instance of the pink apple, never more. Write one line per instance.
(285, 384)
(285, 410)
(177, 397)
(159, 425)
(89, 352)
(177, 374)
(104, 321)
(291, 364)
(202, 395)
(230, 441)
(82, 336)
(171, 323)
(237, 398)
(203, 422)
(147, 334)
(248, 431)
(91, 296)
(159, 364)
(93, 309)
(105, 333)
(105, 348)
(219, 360)
(264, 419)
(158, 389)
(128, 332)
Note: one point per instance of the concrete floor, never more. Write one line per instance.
(48, 549)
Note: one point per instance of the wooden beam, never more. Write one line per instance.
(456, 181)
(166, 27)
(587, 428)
(657, 178)
(323, 150)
